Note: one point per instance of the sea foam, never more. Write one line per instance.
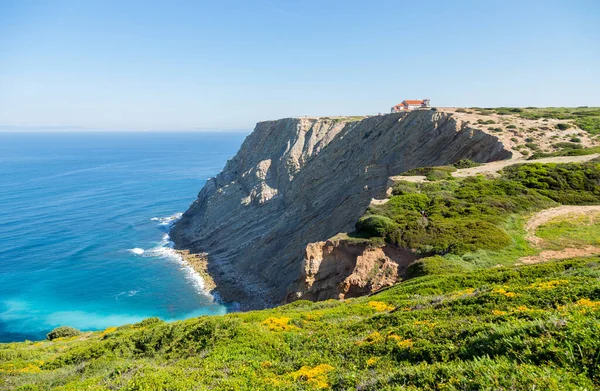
(165, 250)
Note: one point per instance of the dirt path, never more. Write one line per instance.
(547, 215)
(494, 167)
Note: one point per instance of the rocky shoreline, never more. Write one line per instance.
(199, 262)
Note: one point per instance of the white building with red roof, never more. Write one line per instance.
(410, 105)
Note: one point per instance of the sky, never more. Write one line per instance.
(183, 65)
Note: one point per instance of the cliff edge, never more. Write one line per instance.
(297, 181)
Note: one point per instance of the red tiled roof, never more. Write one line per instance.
(413, 102)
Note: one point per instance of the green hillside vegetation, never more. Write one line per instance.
(503, 328)
(478, 219)
(452, 324)
(571, 231)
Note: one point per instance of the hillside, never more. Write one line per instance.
(516, 328)
(298, 181)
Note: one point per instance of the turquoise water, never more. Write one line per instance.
(83, 227)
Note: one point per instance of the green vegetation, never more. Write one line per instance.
(436, 265)
(571, 231)
(433, 173)
(567, 152)
(476, 219)
(62, 332)
(572, 183)
(516, 328)
(465, 163)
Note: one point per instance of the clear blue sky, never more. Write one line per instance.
(131, 64)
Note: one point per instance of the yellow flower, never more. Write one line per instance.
(30, 369)
(405, 343)
(380, 306)
(498, 312)
(316, 376)
(108, 331)
(464, 292)
(588, 303)
(278, 324)
(504, 292)
(425, 323)
(372, 361)
(546, 285)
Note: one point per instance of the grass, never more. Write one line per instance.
(478, 220)
(516, 328)
(571, 231)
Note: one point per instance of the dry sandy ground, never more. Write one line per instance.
(542, 132)
(547, 215)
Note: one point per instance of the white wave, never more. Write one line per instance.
(136, 251)
(169, 220)
(165, 250)
(127, 293)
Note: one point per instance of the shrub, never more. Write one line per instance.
(149, 322)
(62, 332)
(511, 126)
(404, 187)
(466, 163)
(376, 225)
(461, 110)
(532, 146)
(562, 126)
(575, 140)
(432, 173)
(567, 145)
(435, 265)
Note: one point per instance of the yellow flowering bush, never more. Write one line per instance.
(546, 285)
(315, 376)
(502, 291)
(279, 324)
(380, 306)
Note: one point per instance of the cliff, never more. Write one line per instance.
(340, 269)
(301, 180)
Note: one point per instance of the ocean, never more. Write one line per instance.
(84, 221)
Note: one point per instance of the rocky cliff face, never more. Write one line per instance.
(340, 269)
(301, 180)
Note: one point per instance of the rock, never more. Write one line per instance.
(297, 181)
(339, 269)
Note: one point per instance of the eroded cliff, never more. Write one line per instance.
(340, 269)
(301, 180)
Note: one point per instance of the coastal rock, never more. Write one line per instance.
(297, 181)
(339, 269)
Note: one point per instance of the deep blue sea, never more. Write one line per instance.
(83, 227)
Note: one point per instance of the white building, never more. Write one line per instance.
(410, 105)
